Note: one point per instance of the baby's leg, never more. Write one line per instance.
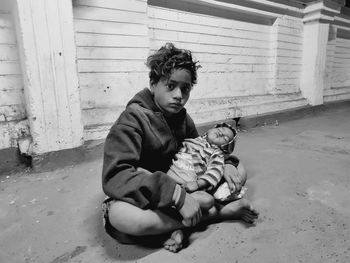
(171, 173)
(182, 169)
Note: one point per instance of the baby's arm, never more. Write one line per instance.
(215, 170)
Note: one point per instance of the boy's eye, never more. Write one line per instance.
(171, 86)
(185, 89)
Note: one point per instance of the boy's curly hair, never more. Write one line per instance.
(168, 58)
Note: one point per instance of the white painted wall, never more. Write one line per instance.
(253, 61)
(235, 56)
(249, 66)
(338, 66)
(287, 40)
(112, 46)
(341, 64)
(13, 124)
(243, 62)
(47, 50)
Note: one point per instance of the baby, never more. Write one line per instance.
(199, 164)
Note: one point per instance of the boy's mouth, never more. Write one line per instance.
(176, 105)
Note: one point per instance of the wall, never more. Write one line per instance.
(112, 46)
(235, 56)
(13, 124)
(255, 58)
(243, 61)
(338, 66)
(287, 33)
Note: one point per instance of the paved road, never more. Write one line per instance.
(299, 179)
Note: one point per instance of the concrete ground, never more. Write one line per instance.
(299, 179)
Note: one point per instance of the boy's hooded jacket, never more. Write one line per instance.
(143, 138)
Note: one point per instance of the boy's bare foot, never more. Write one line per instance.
(175, 242)
(239, 210)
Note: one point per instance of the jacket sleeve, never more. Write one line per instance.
(122, 180)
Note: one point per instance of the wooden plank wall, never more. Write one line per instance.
(332, 39)
(289, 51)
(12, 109)
(235, 55)
(112, 46)
(341, 64)
(338, 65)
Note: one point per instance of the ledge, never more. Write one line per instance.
(263, 8)
(259, 11)
(276, 117)
(93, 150)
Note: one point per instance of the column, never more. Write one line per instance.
(316, 21)
(47, 49)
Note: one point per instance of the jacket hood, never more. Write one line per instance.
(144, 98)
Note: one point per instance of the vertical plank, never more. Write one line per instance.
(51, 86)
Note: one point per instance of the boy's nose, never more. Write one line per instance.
(177, 93)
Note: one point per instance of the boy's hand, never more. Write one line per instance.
(190, 211)
(233, 178)
(191, 187)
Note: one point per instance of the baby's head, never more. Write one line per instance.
(224, 136)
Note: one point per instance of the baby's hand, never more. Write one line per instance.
(191, 187)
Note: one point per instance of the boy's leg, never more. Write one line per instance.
(135, 221)
(241, 209)
(132, 220)
(205, 200)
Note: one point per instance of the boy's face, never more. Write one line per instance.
(171, 95)
(219, 136)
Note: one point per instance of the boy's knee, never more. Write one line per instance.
(243, 173)
(125, 218)
(205, 200)
(208, 202)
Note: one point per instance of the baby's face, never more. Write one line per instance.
(219, 136)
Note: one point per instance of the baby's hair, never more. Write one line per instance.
(168, 58)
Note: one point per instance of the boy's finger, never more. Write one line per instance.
(237, 186)
(198, 217)
(231, 186)
(187, 222)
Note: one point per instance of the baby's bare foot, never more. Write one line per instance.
(240, 210)
(175, 242)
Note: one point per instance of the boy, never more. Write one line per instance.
(142, 199)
